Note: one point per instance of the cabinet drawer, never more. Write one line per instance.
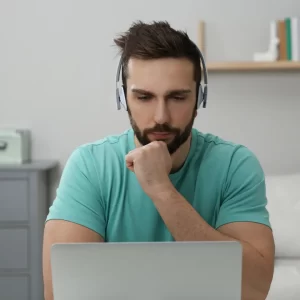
(14, 288)
(13, 249)
(13, 200)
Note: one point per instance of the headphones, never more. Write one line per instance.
(120, 92)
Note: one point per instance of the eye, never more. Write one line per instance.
(178, 98)
(144, 98)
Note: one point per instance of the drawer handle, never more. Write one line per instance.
(3, 145)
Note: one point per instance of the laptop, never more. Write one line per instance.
(147, 270)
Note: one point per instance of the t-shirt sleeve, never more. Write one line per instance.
(78, 196)
(244, 194)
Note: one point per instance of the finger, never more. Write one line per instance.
(158, 144)
(130, 166)
(134, 150)
(129, 158)
(131, 154)
(131, 169)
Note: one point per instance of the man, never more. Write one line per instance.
(163, 180)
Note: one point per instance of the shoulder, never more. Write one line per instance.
(214, 144)
(234, 158)
(116, 142)
(103, 149)
(97, 160)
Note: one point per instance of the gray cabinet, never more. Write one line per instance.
(23, 209)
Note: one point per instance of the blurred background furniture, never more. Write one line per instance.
(284, 206)
(23, 209)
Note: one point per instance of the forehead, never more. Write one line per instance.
(160, 74)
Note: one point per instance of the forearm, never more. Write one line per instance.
(185, 224)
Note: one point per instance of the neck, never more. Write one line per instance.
(179, 157)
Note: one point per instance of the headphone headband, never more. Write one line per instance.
(121, 97)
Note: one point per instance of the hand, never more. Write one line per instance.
(151, 164)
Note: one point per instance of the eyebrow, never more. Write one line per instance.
(169, 93)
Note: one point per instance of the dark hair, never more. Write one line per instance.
(157, 40)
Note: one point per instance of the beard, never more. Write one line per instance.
(180, 136)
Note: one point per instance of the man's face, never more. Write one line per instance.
(161, 97)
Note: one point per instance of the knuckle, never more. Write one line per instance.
(154, 144)
(162, 144)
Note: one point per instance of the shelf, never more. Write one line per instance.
(253, 66)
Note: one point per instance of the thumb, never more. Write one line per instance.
(129, 162)
(130, 166)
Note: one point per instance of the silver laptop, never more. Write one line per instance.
(147, 271)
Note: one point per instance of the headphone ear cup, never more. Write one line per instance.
(205, 96)
(122, 97)
(118, 99)
(200, 96)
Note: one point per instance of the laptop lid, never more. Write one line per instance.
(156, 271)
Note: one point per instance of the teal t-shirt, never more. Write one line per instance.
(223, 181)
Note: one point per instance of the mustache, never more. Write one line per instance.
(162, 128)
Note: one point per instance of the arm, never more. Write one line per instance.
(185, 224)
(59, 231)
(242, 217)
(78, 212)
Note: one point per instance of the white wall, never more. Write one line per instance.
(58, 63)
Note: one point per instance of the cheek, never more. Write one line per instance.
(183, 116)
(142, 117)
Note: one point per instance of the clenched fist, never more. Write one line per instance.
(151, 164)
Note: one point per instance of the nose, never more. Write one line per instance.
(162, 115)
